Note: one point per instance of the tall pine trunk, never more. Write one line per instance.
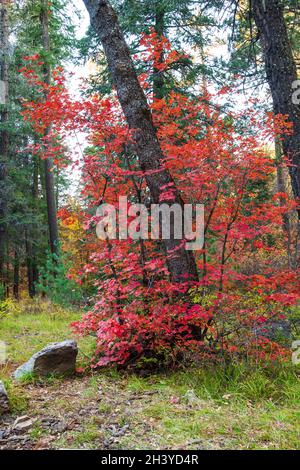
(158, 75)
(181, 264)
(16, 280)
(35, 228)
(4, 136)
(49, 176)
(32, 234)
(281, 74)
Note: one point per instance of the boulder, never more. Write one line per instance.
(4, 402)
(54, 359)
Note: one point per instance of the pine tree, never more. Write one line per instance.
(4, 135)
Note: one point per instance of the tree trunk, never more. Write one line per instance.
(35, 228)
(29, 264)
(181, 264)
(7, 270)
(4, 138)
(281, 74)
(49, 176)
(281, 188)
(16, 274)
(158, 75)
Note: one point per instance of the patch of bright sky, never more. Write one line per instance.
(77, 142)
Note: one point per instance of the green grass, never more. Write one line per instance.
(26, 328)
(86, 437)
(240, 407)
(17, 395)
(255, 410)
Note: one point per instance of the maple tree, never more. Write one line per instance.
(244, 283)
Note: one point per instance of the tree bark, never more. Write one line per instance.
(281, 188)
(158, 75)
(16, 282)
(181, 264)
(281, 74)
(29, 265)
(4, 137)
(49, 176)
(35, 228)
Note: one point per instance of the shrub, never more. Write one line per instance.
(55, 283)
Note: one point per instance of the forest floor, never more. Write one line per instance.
(190, 409)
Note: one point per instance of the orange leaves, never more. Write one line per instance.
(217, 159)
(279, 124)
(32, 58)
(158, 47)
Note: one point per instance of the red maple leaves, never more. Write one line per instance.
(216, 159)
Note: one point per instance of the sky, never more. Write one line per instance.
(77, 142)
(83, 23)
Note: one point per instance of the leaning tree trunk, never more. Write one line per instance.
(182, 263)
(4, 137)
(281, 74)
(49, 177)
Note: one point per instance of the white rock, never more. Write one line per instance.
(4, 402)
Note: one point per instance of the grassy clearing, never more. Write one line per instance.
(205, 407)
(209, 408)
